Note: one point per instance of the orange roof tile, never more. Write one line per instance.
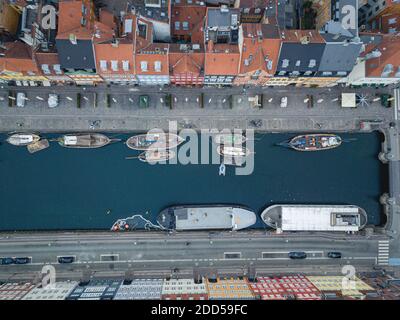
(297, 35)
(390, 50)
(109, 52)
(18, 58)
(222, 59)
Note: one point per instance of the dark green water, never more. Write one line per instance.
(61, 188)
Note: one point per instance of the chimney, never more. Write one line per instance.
(210, 46)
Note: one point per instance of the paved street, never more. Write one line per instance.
(162, 251)
(125, 115)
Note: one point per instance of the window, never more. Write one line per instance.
(143, 65)
(285, 63)
(177, 25)
(45, 68)
(125, 65)
(157, 66)
(392, 21)
(298, 62)
(103, 65)
(312, 63)
(114, 65)
(185, 25)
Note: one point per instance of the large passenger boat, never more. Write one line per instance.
(206, 217)
(305, 217)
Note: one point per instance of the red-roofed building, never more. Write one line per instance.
(78, 31)
(18, 63)
(49, 63)
(187, 22)
(221, 63)
(115, 61)
(285, 287)
(379, 64)
(251, 11)
(186, 64)
(259, 52)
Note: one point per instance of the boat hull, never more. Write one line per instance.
(232, 151)
(229, 139)
(206, 217)
(84, 140)
(315, 142)
(153, 141)
(22, 139)
(303, 217)
(156, 156)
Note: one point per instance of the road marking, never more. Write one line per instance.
(383, 252)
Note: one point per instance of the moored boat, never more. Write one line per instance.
(154, 156)
(315, 142)
(304, 217)
(22, 139)
(228, 151)
(206, 217)
(229, 139)
(152, 141)
(84, 140)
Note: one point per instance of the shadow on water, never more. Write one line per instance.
(69, 189)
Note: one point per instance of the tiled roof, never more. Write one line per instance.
(389, 59)
(258, 52)
(182, 60)
(312, 36)
(222, 59)
(18, 58)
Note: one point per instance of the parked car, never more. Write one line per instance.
(22, 260)
(66, 259)
(5, 261)
(297, 255)
(283, 102)
(53, 100)
(21, 97)
(335, 255)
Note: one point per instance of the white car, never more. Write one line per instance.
(21, 97)
(283, 102)
(53, 100)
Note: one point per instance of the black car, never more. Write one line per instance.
(66, 259)
(22, 260)
(4, 261)
(334, 255)
(297, 255)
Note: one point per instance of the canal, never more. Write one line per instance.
(70, 189)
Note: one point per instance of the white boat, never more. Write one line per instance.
(154, 156)
(23, 139)
(229, 139)
(233, 151)
(152, 141)
(206, 217)
(305, 217)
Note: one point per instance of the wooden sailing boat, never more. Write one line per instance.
(23, 139)
(152, 141)
(85, 140)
